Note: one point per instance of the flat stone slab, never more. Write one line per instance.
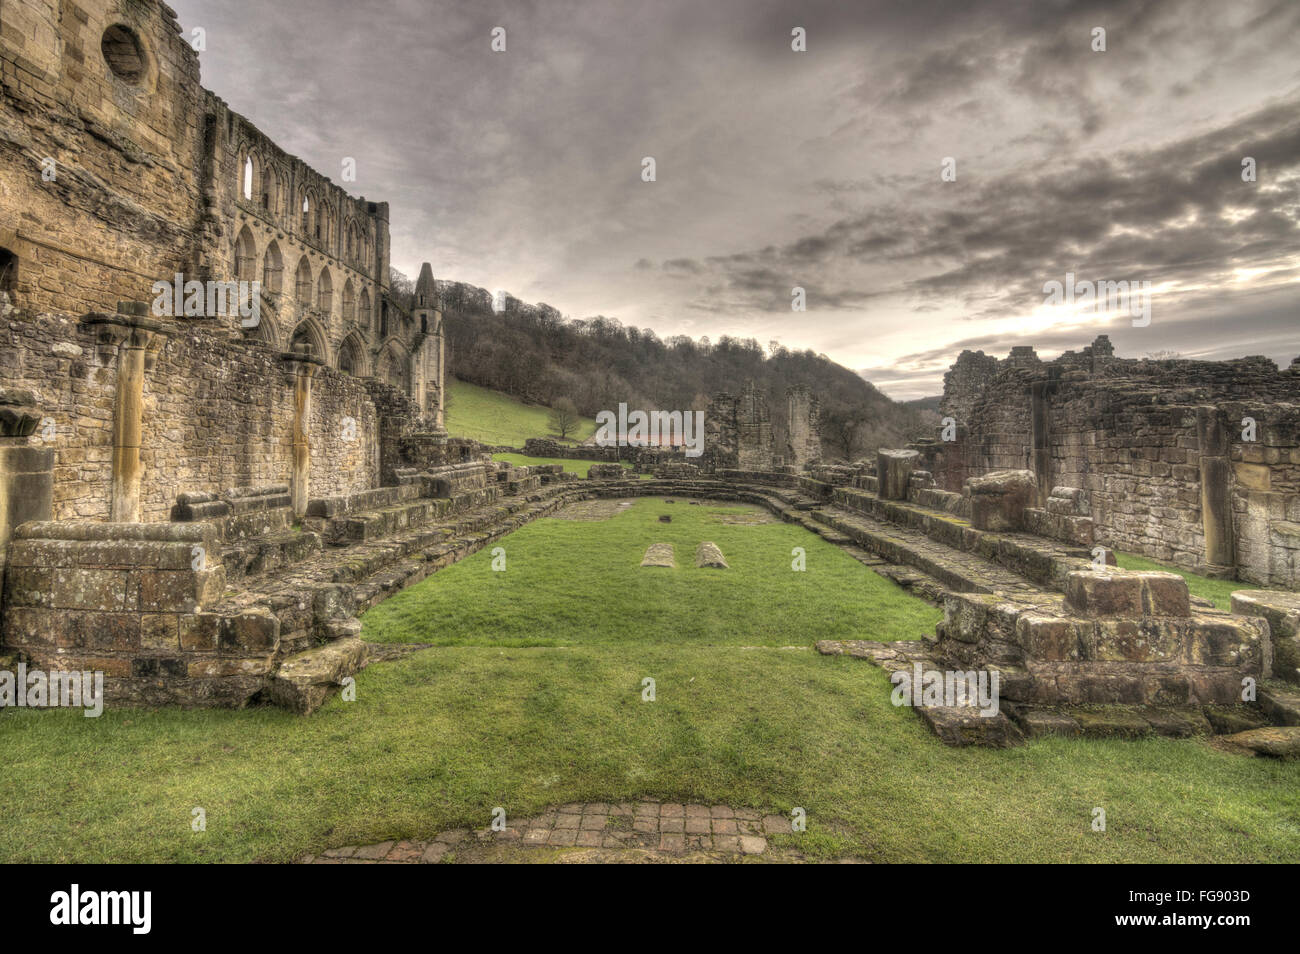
(1281, 741)
(707, 554)
(659, 554)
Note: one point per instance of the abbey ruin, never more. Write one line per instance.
(201, 508)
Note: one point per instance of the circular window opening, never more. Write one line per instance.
(122, 53)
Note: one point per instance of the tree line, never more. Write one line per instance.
(534, 353)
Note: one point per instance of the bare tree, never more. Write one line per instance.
(564, 417)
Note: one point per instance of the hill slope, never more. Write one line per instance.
(533, 353)
(499, 419)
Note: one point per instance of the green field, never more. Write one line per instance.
(495, 418)
(532, 697)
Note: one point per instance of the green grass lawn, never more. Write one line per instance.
(1220, 591)
(495, 418)
(746, 713)
(579, 467)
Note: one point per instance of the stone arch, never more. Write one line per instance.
(352, 355)
(349, 301)
(325, 291)
(273, 268)
(266, 330)
(269, 190)
(309, 332)
(302, 281)
(309, 210)
(364, 314)
(245, 256)
(394, 366)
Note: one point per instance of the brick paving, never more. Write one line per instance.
(666, 829)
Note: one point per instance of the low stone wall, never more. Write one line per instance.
(131, 600)
(542, 447)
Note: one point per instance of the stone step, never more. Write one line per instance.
(256, 556)
(306, 679)
(1039, 560)
(953, 568)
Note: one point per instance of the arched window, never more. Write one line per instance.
(270, 190)
(306, 215)
(349, 301)
(394, 368)
(272, 268)
(245, 256)
(364, 317)
(307, 338)
(8, 272)
(351, 355)
(325, 292)
(383, 320)
(246, 179)
(302, 289)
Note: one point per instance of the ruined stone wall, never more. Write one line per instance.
(100, 156)
(803, 421)
(1126, 431)
(217, 414)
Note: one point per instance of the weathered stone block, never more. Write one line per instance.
(1130, 593)
(1048, 637)
(998, 500)
(251, 633)
(180, 591)
(894, 471)
(1096, 593)
(707, 554)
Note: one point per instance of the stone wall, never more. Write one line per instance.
(100, 171)
(1157, 445)
(803, 443)
(738, 431)
(217, 414)
(118, 170)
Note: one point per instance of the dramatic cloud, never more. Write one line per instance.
(522, 170)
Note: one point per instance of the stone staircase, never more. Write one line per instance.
(357, 550)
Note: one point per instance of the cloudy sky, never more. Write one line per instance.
(522, 170)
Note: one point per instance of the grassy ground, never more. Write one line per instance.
(579, 467)
(496, 418)
(439, 739)
(573, 582)
(1218, 590)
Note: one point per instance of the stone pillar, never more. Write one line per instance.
(26, 471)
(132, 335)
(304, 369)
(894, 472)
(1042, 462)
(440, 422)
(1216, 494)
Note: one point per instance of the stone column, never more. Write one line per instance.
(894, 472)
(439, 422)
(132, 334)
(304, 369)
(26, 471)
(1216, 494)
(1042, 462)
